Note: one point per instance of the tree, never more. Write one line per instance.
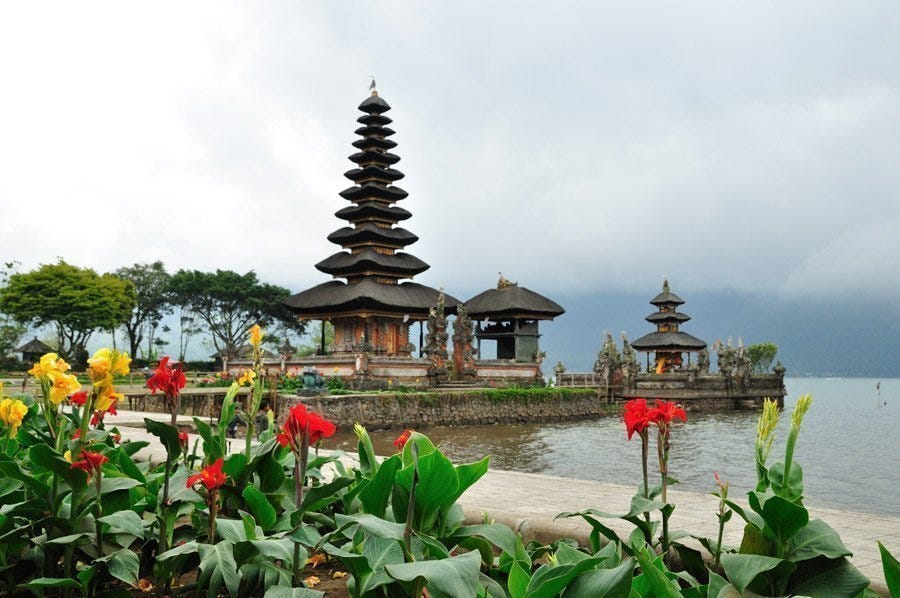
(314, 340)
(10, 330)
(761, 356)
(228, 304)
(151, 283)
(75, 301)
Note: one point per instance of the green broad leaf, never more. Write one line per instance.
(262, 510)
(715, 585)
(86, 575)
(368, 462)
(125, 521)
(127, 466)
(43, 456)
(754, 542)
(422, 442)
(782, 517)
(470, 473)
(497, 534)
(130, 447)
(11, 469)
(212, 448)
(744, 569)
(373, 526)
(548, 581)
(179, 490)
(234, 465)
(109, 484)
(518, 580)
(374, 497)
(186, 548)
(283, 592)
(603, 583)
(278, 549)
(264, 574)
(218, 568)
(379, 553)
(653, 575)
(232, 530)
(125, 565)
(356, 564)
(250, 526)
(891, 570)
(456, 577)
(70, 539)
(793, 489)
(271, 473)
(827, 578)
(748, 516)
(306, 534)
(319, 497)
(816, 539)
(43, 583)
(567, 555)
(437, 488)
(168, 436)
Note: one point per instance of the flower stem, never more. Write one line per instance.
(213, 507)
(300, 462)
(645, 455)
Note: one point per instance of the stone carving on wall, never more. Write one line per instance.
(629, 363)
(703, 360)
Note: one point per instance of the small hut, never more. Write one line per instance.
(33, 350)
(668, 343)
(510, 315)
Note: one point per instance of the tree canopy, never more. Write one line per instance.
(761, 356)
(151, 283)
(76, 301)
(228, 304)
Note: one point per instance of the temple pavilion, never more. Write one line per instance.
(668, 344)
(375, 304)
(510, 315)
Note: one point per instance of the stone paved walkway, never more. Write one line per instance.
(529, 503)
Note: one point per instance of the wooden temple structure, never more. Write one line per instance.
(669, 345)
(372, 301)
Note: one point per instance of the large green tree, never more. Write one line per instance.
(75, 301)
(228, 304)
(151, 283)
(761, 356)
(10, 330)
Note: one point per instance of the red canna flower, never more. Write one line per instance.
(211, 476)
(117, 438)
(79, 398)
(666, 411)
(183, 440)
(401, 440)
(637, 416)
(301, 421)
(90, 463)
(77, 434)
(167, 379)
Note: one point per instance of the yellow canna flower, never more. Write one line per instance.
(108, 398)
(50, 362)
(12, 412)
(68, 456)
(61, 386)
(255, 336)
(247, 378)
(105, 364)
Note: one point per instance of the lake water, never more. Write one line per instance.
(849, 446)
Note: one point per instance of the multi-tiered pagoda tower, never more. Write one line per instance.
(373, 310)
(668, 343)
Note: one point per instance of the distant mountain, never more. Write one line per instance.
(817, 337)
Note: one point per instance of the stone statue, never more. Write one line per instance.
(629, 363)
(436, 341)
(703, 360)
(608, 359)
(463, 353)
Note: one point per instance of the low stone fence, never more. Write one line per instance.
(202, 402)
(451, 408)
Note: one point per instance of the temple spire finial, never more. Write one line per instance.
(372, 86)
(665, 285)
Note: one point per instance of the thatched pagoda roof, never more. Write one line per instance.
(512, 301)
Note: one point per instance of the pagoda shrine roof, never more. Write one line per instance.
(34, 346)
(666, 297)
(512, 300)
(668, 341)
(662, 317)
(336, 297)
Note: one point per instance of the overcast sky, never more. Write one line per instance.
(751, 146)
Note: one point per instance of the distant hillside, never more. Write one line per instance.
(821, 338)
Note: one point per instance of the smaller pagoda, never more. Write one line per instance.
(510, 315)
(668, 344)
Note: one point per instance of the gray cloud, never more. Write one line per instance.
(573, 146)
